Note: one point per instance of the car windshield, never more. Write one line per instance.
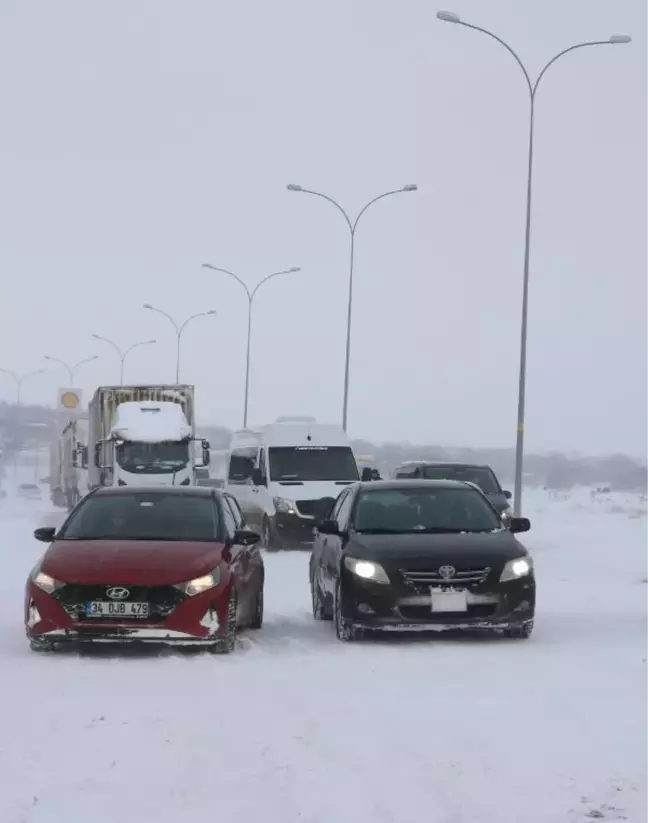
(421, 510)
(305, 463)
(152, 458)
(144, 516)
(481, 476)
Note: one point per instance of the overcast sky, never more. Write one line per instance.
(142, 138)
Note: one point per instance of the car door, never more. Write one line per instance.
(320, 544)
(254, 564)
(333, 543)
(239, 564)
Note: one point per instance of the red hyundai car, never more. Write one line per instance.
(170, 565)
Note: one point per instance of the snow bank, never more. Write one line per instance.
(150, 422)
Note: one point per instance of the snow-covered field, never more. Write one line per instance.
(295, 726)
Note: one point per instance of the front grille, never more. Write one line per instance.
(161, 599)
(309, 508)
(422, 579)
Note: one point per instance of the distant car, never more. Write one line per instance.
(29, 491)
(481, 475)
(416, 555)
(170, 565)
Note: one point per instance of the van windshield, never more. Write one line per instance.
(311, 463)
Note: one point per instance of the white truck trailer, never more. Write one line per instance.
(144, 435)
(74, 461)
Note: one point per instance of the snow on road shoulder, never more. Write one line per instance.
(295, 726)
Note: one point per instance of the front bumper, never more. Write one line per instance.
(396, 607)
(198, 620)
(295, 531)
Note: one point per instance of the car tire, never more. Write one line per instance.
(266, 533)
(257, 619)
(522, 632)
(317, 600)
(344, 629)
(227, 641)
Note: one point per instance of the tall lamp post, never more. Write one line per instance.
(179, 329)
(532, 88)
(70, 369)
(19, 379)
(353, 225)
(250, 296)
(123, 353)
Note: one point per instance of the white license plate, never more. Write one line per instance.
(116, 610)
(448, 601)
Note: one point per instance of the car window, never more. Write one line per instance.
(236, 509)
(242, 463)
(344, 511)
(144, 516)
(419, 509)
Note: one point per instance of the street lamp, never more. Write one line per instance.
(353, 225)
(123, 354)
(70, 369)
(250, 297)
(179, 329)
(19, 379)
(532, 86)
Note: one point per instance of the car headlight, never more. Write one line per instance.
(200, 584)
(366, 570)
(45, 582)
(516, 568)
(284, 506)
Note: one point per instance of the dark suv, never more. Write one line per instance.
(482, 476)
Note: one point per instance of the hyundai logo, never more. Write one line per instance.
(117, 593)
(447, 572)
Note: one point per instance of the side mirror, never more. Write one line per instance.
(246, 537)
(257, 478)
(328, 527)
(84, 457)
(519, 524)
(508, 494)
(367, 474)
(45, 534)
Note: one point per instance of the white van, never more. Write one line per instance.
(283, 475)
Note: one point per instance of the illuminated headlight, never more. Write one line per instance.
(366, 570)
(200, 584)
(284, 506)
(514, 569)
(45, 582)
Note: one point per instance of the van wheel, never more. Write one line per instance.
(265, 533)
(275, 542)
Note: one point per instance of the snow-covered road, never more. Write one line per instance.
(295, 726)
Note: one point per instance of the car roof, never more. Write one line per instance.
(181, 491)
(405, 483)
(453, 463)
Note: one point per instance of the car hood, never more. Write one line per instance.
(469, 549)
(136, 562)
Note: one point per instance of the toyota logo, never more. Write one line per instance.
(447, 572)
(117, 593)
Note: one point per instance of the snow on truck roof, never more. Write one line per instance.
(292, 431)
(151, 422)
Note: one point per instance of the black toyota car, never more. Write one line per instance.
(416, 555)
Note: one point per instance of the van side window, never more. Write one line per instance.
(408, 472)
(242, 462)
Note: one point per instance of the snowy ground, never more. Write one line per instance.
(295, 726)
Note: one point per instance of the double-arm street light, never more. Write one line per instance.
(179, 329)
(532, 87)
(122, 353)
(352, 225)
(19, 379)
(250, 296)
(70, 369)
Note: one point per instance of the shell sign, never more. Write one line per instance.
(69, 399)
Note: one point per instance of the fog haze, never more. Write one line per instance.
(142, 139)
